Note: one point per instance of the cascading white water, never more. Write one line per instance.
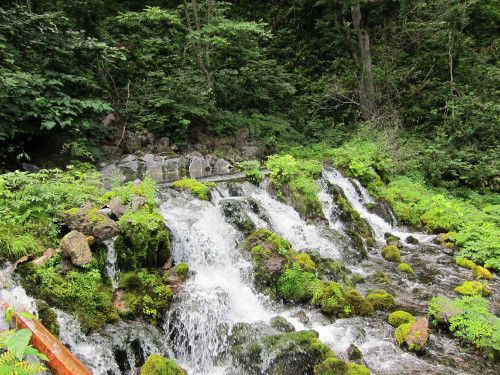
(111, 266)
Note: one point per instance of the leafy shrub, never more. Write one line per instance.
(295, 284)
(295, 179)
(251, 170)
(474, 323)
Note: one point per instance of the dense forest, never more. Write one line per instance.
(402, 95)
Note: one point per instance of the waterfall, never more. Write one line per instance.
(219, 293)
(111, 267)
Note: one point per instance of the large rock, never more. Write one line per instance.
(222, 166)
(111, 175)
(117, 208)
(446, 309)
(130, 169)
(90, 221)
(76, 247)
(175, 164)
(414, 335)
(198, 163)
(154, 169)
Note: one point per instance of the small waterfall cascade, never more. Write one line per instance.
(219, 291)
(111, 267)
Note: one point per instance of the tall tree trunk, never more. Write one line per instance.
(367, 90)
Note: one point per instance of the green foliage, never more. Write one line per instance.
(333, 300)
(15, 348)
(474, 324)
(146, 189)
(80, 292)
(251, 170)
(199, 189)
(296, 284)
(295, 179)
(400, 317)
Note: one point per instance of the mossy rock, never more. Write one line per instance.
(281, 324)
(465, 263)
(381, 300)
(292, 352)
(306, 262)
(379, 277)
(414, 335)
(351, 218)
(388, 235)
(157, 365)
(411, 240)
(481, 273)
(295, 284)
(391, 253)
(405, 268)
(356, 241)
(145, 295)
(47, 317)
(143, 242)
(182, 270)
(334, 366)
(402, 333)
(334, 301)
(199, 189)
(472, 288)
(400, 317)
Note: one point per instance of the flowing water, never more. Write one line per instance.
(219, 293)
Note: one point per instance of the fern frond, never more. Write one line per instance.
(6, 357)
(27, 367)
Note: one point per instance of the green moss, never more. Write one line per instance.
(481, 273)
(143, 241)
(157, 365)
(295, 284)
(145, 295)
(402, 333)
(306, 262)
(381, 300)
(47, 317)
(200, 190)
(392, 239)
(472, 288)
(182, 270)
(380, 277)
(334, 366)
(400, 317)
(465, 263)
(391, 253)
(333, 300)
(405, 268)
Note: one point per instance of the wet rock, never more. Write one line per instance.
(130, 169)
(198, 163)
(154, 169)
(90, 221)
(445, 260)
(162, 146)
(222, 166)
(128, 158)
(106, 211)
(414, 335)
(194, 154)
(235, 213)
(158, 365)
(301, 316)
(448, 250)
(411, 240)
(382, 209)
(281, 324)
(391, 253)
(75, 246)
(353, 353)
(148, 158)
(47, 317)
(381, 300)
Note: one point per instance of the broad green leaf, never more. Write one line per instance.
(18, 341)
(8, 313)
(33, 351)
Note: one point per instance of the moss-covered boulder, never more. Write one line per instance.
(472, 288)
(405, 268)
(381, 300)
(90, 221)
(143, 242)
(379, 277)
(47, 317)
(145, 295)
(271, 254)
(413, 336)
(182, 270)
(391, 253)
(334, 301)
(400, 317)
(235, 213)
(287, 353)
(334, 366)
(199, 189)
(481, 273)
(157, 365)
(465, 263)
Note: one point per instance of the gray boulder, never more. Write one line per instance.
(222, 166)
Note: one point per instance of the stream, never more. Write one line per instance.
(197, 327)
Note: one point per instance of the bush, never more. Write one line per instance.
(251, 170)
(295, 284)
